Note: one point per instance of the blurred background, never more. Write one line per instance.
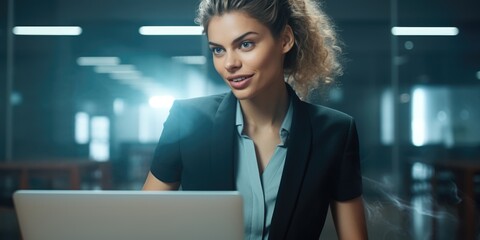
(82, 107)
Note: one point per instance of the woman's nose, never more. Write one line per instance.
(232, 63)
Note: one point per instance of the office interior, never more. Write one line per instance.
(84, 109)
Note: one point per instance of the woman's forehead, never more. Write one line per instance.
(233, 24)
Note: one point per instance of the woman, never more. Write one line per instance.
(289, 159)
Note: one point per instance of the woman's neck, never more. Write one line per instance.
(266, 110)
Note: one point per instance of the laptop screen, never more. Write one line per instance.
(129, 214)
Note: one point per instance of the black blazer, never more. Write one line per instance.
(196, 148)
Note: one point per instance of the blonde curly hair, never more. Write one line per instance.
(313, 61)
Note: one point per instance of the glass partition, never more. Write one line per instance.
(96, 83)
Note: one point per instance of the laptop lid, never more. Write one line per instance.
(60, 215)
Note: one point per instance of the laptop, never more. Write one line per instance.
(166, 215)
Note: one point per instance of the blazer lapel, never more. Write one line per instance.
(299, 144)
(222, 147)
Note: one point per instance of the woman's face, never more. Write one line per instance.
(245, 54)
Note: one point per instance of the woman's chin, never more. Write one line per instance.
(241, 94)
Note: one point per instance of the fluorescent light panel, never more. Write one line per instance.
(98, 61)
(425, 31)
(171, 30)
(194, 60)
(115, 69)
(48, 30)
(126, 76)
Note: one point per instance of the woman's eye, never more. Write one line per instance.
(247, 44)
(217, 50)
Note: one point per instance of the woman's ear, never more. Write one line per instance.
(288, 39)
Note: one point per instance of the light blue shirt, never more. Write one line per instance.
(259, 192)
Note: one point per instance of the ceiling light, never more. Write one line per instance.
(171, 30)
(48, 30)
(478, 75)
(126, 76)
(115, 69)
(98, 61)
(425, 31)
(194, 60)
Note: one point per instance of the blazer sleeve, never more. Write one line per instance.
(348, 184)
(166, 164)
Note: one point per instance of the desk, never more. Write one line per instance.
(464, 171)
(74, 168)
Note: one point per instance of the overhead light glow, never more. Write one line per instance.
(171, 30)
(115, 68)
(118, 106)
(419, 106)
(82, 128)
(161, 101)
(98, 61)
(99, 146)
(425, 31)
(193, 60)
(126, 76)
(48, 30)
(478, 75)
(387, 120)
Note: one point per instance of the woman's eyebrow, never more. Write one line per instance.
(236, 40)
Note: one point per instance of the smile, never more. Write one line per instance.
(239, 82)
(239, 79)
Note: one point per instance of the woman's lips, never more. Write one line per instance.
(240, 82)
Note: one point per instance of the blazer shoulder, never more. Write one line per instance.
(323, 113)
(205, 104)
(202, 101)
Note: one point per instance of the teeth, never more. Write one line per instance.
(239, 79)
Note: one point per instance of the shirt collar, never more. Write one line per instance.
(284, 129)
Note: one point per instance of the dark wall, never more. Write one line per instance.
(3, 76)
